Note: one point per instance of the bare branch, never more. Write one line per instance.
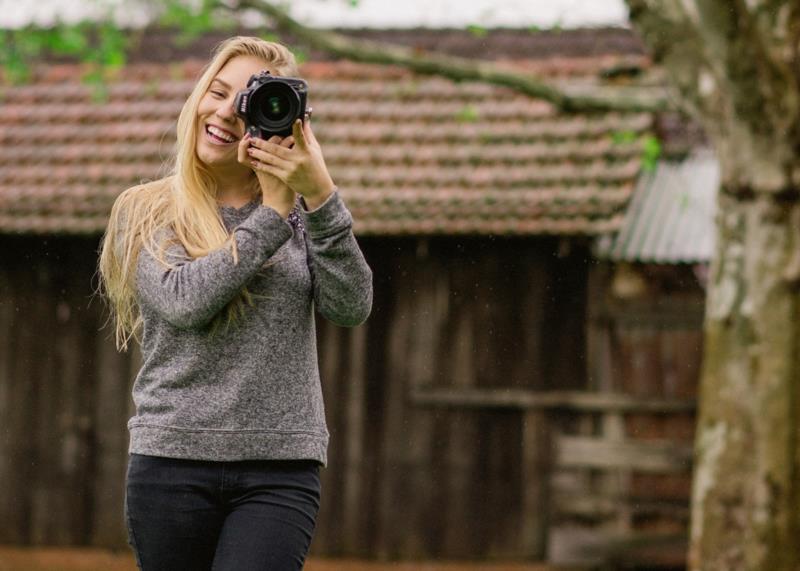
(457, 69)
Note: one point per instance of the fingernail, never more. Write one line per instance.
(247, 135)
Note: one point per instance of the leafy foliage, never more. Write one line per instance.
(101, 46)
(651, 147)
(193, 21)
(467, 114)
(651, 153)
(477, 31)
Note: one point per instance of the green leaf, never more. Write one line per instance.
(68, 40)
(94, 79)
(300, 55)
(29, 42)
(477, 31)
(194, 22)
(651, 153)
(467, 114)
(100, 93)
(16, 71)
(623, 137)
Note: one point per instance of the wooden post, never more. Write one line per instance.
(536, 462)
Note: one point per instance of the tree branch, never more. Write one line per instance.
(457, 69)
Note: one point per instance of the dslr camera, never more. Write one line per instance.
(270, 104)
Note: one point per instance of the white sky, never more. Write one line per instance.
(367, 13)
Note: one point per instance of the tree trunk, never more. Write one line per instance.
(735, 66)
(746, 492)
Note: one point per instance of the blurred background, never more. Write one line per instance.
(524, 394)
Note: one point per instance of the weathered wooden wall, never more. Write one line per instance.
(458, 413)
(408, 480)
(624, 473)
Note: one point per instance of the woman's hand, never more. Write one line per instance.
(274, 192)
(301, 167)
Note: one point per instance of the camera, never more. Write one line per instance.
(270, 104)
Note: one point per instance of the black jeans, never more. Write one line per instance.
(197, 515)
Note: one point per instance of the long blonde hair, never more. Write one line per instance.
(184, 202)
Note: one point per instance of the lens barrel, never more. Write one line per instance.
(271, 104)
(274, 106)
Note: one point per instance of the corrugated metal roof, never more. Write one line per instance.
(671, 216)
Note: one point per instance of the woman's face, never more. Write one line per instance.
(219, 129)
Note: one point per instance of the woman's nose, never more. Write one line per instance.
(226, 111)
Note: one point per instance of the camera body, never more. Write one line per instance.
(270, 104)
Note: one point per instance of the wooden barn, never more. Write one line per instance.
(507, 399)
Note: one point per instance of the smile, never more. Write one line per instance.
(218, 136)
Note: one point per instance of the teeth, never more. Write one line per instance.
(221, 134)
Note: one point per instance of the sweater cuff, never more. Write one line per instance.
(329, 218)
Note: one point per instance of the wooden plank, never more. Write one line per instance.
(462, 474)
(47, 505)
(585, 452)
(391, 523)
(417, 491)
(585, 546)
(592, 506)
(110, 415)
(670, 313)
(352, 441)
(536, 465)
(601, 373)
(69, 430)
(522, 399)
(462, 485)
(328, 537)
(16, 392)
(616, 482)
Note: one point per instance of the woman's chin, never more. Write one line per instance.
(215, 156)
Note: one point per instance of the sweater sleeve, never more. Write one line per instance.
(341, 277)
(190, 295)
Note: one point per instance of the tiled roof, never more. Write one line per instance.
(411, 154)
(671, 216)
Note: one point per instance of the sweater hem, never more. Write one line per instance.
(228, 445)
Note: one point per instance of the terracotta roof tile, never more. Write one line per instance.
(411, 154)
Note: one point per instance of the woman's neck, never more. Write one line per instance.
(236, 192)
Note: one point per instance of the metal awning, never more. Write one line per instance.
(670, 219)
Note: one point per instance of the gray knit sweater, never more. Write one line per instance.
(253, 391)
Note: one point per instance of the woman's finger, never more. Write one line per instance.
(260, 167)
(299, 136)
(288, 142)
(268, 157)
(309, 134)
(241, 150)
(261, 143)
(277, 150)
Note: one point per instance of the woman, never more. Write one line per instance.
(222, 264)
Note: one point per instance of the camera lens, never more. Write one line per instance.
(275, 105)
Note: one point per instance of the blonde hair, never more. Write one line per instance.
(184, 202)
